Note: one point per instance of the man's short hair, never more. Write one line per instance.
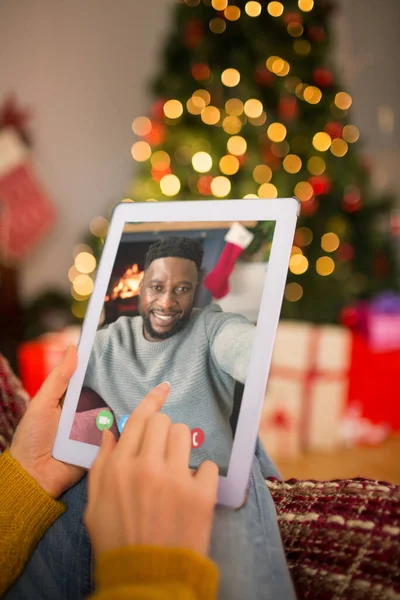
(176, 247)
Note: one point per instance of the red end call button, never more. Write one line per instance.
(198, 437)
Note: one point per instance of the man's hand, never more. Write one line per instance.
(34, 438)
(141, 490)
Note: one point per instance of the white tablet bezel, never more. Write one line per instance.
(284, 211)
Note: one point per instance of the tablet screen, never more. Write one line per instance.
(181, 306)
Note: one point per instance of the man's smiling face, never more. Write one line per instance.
(166, 296)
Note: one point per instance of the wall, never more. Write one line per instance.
(83, 67)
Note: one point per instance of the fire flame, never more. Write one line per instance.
(128, 285)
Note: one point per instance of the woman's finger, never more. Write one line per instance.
(108, 443)
(179, 446)
(56, 383)
(155, 438)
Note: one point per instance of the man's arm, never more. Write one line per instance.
(231, 349)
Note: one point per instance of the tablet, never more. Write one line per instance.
(158, 312)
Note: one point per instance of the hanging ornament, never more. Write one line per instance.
(288, 108)
(334, 129)
(263, 76)
(193, 33)
(316, 33)
(200, 71)
(321, 184)
(323, 77)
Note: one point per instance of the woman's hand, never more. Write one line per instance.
(34, 438)
(141, 490)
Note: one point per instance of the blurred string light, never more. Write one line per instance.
(312, 94)
(217, 25)
(173, 109)
(236, 145)
(325, 266)
(330, 242)
(305, 5)
(220, 186)
(343, 100)
(280, 149)
(170, 185)
(99, 226)
(339, 147)
(210, 115)
(141, 151)
(278, 66)
(303, 191)
(219, 4)
(350, 134)
(253, 9)
(83, 285)
(292, 163)
(232, 125)
(275, 9)
(322, 141)
(85, 263)
(250, 196)
(293, 292)
(296, 250)
(316, 165)
(267, 190)
(295, 29)
(229, 164)
(230, 77)
(160, 160)
(262, 174)
(303, 236)
(258, 121)
(202, 162)
(302, 47)
(253, 108)
(298, 264)
(234, 107)
(232, 13)
(276, 132)
(141, 126)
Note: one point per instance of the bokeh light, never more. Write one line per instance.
(253, 108)
(219, 4)
(232, 13)
(83, 285)
(253, 9)
(325, 266)
(217, 25)
(220, 186)
(200, 96)
(237, 145)
(316, 165)
(292, 163)
(85, 262)
(293, 292)
(312, 94)
(234, 107)
(99, 226)
(232, 125)
(276, 132)
(230, 77)
(305, 5)
(173, 109)
(339, 147)
(302, 47)
(295, 29)
(170, 185)
(160, 160)
(229, 165)
(202, 162)
(141, 126)
(262, 174)
(210, 115)
(303, 236)
(350, 133)
(322, 141)
(141, 151)
(275, 9)
(259, 120)
(298, 264)
(267, 190)
(303, 191)
(343, 100)
(330, 242)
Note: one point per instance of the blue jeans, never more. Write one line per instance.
(245, 543)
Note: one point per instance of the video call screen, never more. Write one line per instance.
(181, 306)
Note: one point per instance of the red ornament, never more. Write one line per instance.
(309, 207)
(316, 34)
(200, 71)
(157, 108)
(156, 135)
(263, 76)
(345, 252)
(334, 129)
(193, 33)
(157, 175)
(352, 200)
(320, 184)
(349, 317)
(204, 185)
(288, 108)
(323, 77)
(293, 16)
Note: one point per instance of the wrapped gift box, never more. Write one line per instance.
(38, 357)
(309, 385)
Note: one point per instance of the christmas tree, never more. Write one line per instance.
(248, 104)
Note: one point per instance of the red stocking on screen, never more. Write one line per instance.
(237, 238)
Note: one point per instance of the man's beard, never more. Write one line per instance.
(176, 327)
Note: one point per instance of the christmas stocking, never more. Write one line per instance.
(237, 239)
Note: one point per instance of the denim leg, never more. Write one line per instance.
(245, 543)
(268, 469)
(61, 564)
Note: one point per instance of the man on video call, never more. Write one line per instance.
(201, 352)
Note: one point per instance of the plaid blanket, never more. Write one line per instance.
(13, 402)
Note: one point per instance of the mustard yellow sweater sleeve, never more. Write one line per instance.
(154, 573)
(26, 511)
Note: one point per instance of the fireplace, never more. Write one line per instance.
(123, 290)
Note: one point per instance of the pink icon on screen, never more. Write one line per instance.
(198, 437)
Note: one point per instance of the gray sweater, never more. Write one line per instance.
(201, 363)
